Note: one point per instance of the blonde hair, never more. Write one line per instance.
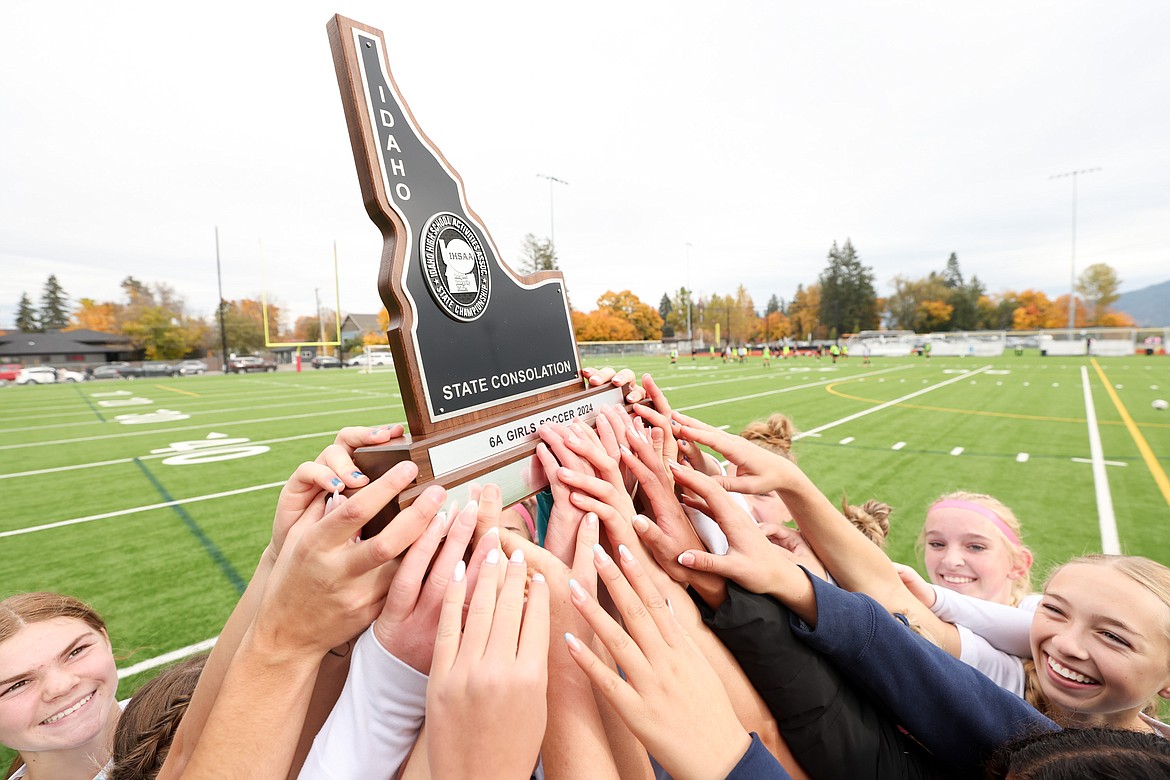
(1021, 556)
(773, 434)
(24, 609)
(871, 518)
(1151, 575)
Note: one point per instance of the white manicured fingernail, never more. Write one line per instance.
(493, 556)
(517, 556)
(460, 571)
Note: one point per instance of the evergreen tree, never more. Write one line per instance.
(26, 316)
(952, 277)
(773, 305)
(664, 306)
(848, 299)
(54, 305)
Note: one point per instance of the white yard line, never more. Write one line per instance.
(1110, 544)
(166, 658)
(786, 390)
(888, 404)
(137, 509)
(201, 426)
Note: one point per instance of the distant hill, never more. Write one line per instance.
(1150, 306)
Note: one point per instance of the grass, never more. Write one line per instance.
(167, 577)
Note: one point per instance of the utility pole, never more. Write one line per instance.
(219, 281)
(320, 323)
(1072, 288)
(552, 229)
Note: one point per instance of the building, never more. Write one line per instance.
(356, 326)
(65, 348)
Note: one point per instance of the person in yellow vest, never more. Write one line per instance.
(674, 356)
(767, 356)
(835, 352)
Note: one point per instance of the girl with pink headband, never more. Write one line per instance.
(971, 545)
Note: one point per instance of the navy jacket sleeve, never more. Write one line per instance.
(955, 711)
(758, 764)
(833, 729)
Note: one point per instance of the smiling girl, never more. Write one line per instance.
(971, 545)
(1101, 642)
(58, 686)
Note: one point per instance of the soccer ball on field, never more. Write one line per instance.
(1160, 404)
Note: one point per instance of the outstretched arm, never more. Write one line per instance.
(332, 470)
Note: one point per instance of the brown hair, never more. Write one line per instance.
(773, 434)
(1020, 554)
(149, 722)
(871, 518)
(23, 609)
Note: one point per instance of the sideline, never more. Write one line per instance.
(888, 404)
(1110, 544)
(1143, 446)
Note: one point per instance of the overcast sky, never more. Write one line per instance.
(756, 132)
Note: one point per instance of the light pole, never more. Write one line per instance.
(320, 322)
(1072, 288)
(690, 335)
(552, 231)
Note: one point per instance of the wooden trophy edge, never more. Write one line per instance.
(364, 144)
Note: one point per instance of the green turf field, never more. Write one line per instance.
(97, 506)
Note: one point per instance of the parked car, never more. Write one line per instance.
(47, 375)
(158, 368)
(191, 367)
(379, 359)
(9, 372)
(249, 363)
(104, 372)
(118, 369)
(326, 361)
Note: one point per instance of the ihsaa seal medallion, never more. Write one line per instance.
(455, 266)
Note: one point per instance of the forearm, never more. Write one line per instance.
(951, 709)
(575, 741)
(258, 715)
(215, 669)
(375, 721)
(855, 562)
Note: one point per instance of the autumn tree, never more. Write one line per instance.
(26, 316)
(156, 320)
(804, 313)
(54, 314)
(1034, 311)
(848, 298)
(103, 317)
(920, 305)
(244, 325)
(1098, 285)
(603, 325)
(625, 305)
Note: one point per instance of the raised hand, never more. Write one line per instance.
(410, 618)
(596, 377)
(486, 708)
(756, 469)
(332, 470)
(328, 584)
(671, 698)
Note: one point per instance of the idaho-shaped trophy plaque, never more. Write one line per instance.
(483, 355)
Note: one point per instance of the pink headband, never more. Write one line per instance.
(979, 509)
(524, 513)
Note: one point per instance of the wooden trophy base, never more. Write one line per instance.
(498, 451)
